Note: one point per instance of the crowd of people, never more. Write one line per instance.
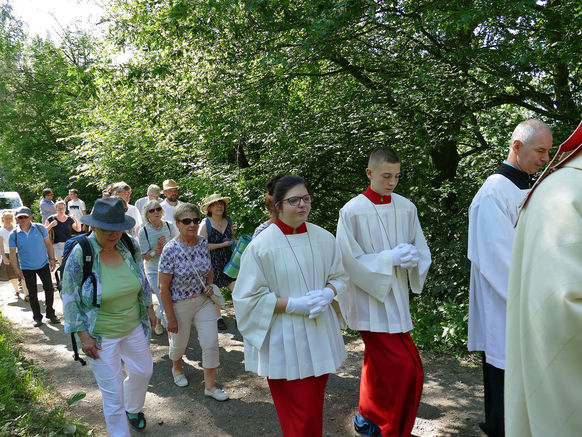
(297, 287)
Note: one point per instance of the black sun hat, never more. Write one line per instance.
(108, 214)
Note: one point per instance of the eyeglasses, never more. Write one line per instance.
(158, 209)
(187, 221)
(295, 200)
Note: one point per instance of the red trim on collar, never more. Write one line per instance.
(376, 198)
(288, 230)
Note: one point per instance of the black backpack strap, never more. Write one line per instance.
(128, 242)
(145, 231)
(88, 265)
(76, 356)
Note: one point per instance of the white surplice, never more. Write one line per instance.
(492, 215)
(543, 378)
(289, 346)
(377, 295)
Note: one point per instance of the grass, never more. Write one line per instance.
(26, 406)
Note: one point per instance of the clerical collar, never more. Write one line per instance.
(376, 198)
(288, 230)
(521, 179)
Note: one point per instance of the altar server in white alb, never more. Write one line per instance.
(492, 216)
(385, 255)
(284, 303)
(543, 378)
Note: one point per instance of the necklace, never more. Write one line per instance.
(390, 244)
(299, 265)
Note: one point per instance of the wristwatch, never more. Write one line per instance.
(152, 253)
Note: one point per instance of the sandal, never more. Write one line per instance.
(137, 421)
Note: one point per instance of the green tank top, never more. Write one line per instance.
(118, 314)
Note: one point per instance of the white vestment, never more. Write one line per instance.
(492, 215)
(543, 378)
(281, 345)
(377, 295)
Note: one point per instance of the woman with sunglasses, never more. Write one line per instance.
(185, 278)
(289, 276)
(152, 237)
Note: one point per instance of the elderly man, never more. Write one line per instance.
(543, 382)
(35, 257)
(492, 216)
(171, 193)
(153, 193)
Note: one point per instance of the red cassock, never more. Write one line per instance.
(391, 382)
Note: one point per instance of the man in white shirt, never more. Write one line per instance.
(492, 216)
(385, 254)
(153, 193)
(171, 194)
(75, 206)
(123, 190)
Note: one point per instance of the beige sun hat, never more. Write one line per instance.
(169, 184)
(211, 199)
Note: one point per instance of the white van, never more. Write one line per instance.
(9, 200)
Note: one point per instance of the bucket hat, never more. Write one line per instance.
(108, 214)
(211, 199)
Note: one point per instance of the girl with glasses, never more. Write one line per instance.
(284, 299)
(155, 233)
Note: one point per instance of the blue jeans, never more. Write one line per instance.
(153, 280)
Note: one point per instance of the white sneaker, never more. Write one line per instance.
(159, 329)
(179, 379)
(217, 394)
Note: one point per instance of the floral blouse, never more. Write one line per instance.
(79, 312)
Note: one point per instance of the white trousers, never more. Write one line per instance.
(121, 395)
(200, 311)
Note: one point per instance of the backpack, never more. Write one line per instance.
(83, 241)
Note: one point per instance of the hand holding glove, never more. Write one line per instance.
(405, 255)
(322, 299)
(411, 260)
(300, 305)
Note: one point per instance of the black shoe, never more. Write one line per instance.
(54, 320)
(138, 423)
(221, 324)
(37, 323)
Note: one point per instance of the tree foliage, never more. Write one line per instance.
(221, 95)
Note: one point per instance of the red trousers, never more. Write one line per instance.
(299, 405)
(391, 382)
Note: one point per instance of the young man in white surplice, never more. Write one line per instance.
(385, 254)
(284, 303)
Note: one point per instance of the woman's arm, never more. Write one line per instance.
(164, 280)
(49, 224)
(77, 224)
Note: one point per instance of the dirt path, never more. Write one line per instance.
(451, 401)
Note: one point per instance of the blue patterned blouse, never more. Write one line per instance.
(186, 264)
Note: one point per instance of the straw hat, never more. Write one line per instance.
(169, 184)
(211, 199)
(108, 214)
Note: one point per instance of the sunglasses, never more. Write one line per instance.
(158, 209)
(187, 221)
(22, 217)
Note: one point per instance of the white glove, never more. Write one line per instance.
(300, 305)
(411, 260)
(399, 253)
(322, 299)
